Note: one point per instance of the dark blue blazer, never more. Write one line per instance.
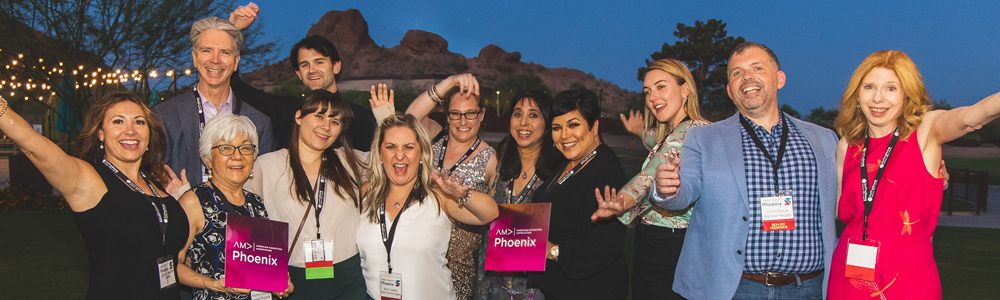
(180, 119)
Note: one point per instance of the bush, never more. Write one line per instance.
(23, 197)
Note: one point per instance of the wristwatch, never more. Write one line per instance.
(554, 252)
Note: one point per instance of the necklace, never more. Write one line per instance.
(524, 175)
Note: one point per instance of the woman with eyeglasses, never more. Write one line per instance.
(228, 146)
(314, 186)
(458, 149)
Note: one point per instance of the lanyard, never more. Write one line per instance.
(524, 192)
(781, 148)
(319, 197)
(577, 167)
(868, 193)
(387, 237)
(163, 217)
(201, 113)
(444, 152)
(229, 206)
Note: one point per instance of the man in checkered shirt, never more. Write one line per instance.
(765, 187)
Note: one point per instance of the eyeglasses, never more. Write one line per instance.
(228, 150)
(472, 115)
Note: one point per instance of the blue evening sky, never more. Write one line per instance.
(819, 43)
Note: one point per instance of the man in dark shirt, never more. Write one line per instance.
(316, 61)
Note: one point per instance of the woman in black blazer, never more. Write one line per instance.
(584, 259)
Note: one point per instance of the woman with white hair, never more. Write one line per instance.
(228, 147)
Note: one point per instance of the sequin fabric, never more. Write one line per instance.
(463, 247)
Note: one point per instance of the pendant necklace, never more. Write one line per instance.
(524, 175)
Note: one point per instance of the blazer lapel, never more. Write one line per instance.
(190, 123)
(823, 164)
(734, 154)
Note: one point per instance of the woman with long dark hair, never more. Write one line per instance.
(314, 186)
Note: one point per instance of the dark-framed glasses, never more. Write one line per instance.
(472, 115)
(228, 150)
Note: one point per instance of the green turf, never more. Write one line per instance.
(991, 164)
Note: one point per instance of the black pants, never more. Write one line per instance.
(657, 250)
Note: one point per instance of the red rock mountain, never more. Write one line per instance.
(421, 52)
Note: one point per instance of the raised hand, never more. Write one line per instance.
(633, 124)
(668, 178)
(175, 182)
(467, 84)
(244, 16)
(380, 97)
(610, 205)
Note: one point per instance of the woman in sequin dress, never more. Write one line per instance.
(459, 149)
(526, 158)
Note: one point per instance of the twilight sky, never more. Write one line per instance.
(954, 43)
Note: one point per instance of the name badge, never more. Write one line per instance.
(777, 213)
(319, 258)
(168, 278)
(260, 295)
(861, 258)
(391, 285)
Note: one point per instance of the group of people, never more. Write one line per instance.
(739, 209)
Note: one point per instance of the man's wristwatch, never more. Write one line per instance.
(554, 252)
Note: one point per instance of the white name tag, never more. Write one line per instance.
(260, 295)
(166, 267)
(777, 213)
(861, 259)
(391, 286)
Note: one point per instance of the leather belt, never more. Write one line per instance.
(776, 279)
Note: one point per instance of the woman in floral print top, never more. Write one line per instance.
(671, 110)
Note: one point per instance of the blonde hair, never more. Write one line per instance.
(681, 75)
(851, 123)
(379, 183)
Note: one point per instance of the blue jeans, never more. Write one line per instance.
(808, 289)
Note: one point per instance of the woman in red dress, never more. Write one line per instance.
(885, 250)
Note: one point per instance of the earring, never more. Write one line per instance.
(209, 174)
(101, 146)
(251, 174)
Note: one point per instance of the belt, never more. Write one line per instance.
(775, 278)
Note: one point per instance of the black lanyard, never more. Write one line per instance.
(201, 113)
(319, 197)
(387, 237)
(868, 193)
(444, 152)
(577, 167)
(162, 217)
(524, 192)
(229, 206)
(781, 148)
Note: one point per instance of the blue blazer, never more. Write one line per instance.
(180, 119)
(712, 174)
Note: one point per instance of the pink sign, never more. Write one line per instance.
(518, 238)
(256, 253)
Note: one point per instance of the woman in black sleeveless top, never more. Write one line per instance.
(131, 225)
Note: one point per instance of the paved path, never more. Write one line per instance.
(989, 219)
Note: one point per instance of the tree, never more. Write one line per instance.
(80, 49)
(515, 84)
(705, 49)
(791, 111)
(823, 117)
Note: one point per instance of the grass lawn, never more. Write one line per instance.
(991, 165)
(43, 257)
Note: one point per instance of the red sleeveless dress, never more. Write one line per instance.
(903, 218)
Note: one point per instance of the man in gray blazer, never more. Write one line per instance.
(215, 50)
(764, 185)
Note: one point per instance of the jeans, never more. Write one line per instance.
(657, 250)
(808, 289)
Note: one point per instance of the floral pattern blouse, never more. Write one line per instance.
(639, 186)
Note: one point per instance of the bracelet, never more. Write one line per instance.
(434, 95)
(554, 252)
(5, 106)
(465, 199)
